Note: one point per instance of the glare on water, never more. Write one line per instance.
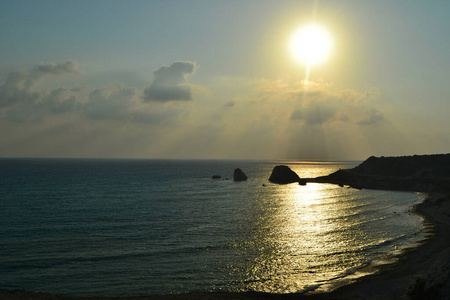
(169, 228)
(305, 237)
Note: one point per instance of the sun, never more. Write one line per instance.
(311, 45)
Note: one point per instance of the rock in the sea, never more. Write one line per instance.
(216, 177)
(238, 175)
(283, 174)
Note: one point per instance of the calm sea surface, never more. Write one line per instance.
(141, 227)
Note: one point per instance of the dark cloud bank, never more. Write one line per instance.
(19, 85)
(22, 102)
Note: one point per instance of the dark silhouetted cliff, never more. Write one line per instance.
(421, 173)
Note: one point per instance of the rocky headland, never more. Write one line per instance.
(419, 173)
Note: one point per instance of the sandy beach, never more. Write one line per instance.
(421, 273)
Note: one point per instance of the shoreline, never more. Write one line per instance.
(421, 271)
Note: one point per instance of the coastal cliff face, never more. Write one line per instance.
(420, 173)
(422, 166)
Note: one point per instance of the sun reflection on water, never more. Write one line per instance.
(300, 239)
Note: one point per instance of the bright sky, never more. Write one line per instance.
(217, 79)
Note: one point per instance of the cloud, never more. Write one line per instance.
(123, 104)
(109, 103)
(52, 68)
(314, 114)
(236, 118)
(19, 86)
(58, 101)
(22, 101)
(169, 83)
(61, 100)
(318, 103)
(372, 117)
(229, 104)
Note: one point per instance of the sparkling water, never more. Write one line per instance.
(81, 227)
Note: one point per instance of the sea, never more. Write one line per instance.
(134, 227)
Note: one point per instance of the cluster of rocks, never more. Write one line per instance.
(421, 173)
(238, 175)
(280, 174)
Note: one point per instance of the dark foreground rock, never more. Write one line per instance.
(283, 175)
(238, 175)
(216, 177)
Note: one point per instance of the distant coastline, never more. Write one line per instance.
(421, 272)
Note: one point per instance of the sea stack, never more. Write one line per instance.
(238, 175)
(283, 175)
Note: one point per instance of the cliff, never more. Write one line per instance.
(420, 173)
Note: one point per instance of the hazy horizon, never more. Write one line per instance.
(216, 80)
